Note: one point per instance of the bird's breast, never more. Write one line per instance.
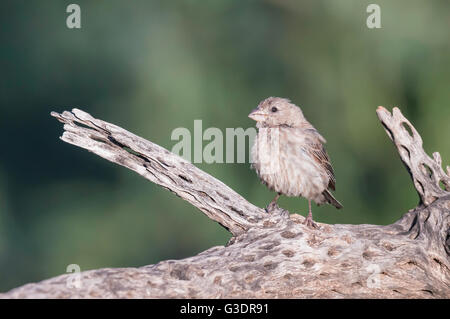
(282, 162)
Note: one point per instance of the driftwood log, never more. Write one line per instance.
(272, 255)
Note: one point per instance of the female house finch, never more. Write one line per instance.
(288, 155)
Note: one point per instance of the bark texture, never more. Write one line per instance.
(272, 255)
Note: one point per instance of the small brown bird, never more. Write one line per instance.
(289, 156)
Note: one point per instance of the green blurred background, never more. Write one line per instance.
(153, 66)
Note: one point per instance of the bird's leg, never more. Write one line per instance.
(309, 220)
(273, 204)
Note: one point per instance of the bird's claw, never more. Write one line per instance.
(310, 223)
(271, 207)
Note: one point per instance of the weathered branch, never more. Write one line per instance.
(272, 255)
(153, 162)
(427, 173)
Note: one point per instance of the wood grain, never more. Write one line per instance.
(158, 165)
(272, 255)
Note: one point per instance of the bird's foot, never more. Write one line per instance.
(310, 223)
(271, 207)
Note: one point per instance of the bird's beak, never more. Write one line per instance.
(257, 115)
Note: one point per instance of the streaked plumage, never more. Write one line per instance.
(289, 156)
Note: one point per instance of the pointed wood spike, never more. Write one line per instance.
(382, 109)
(437, 158)
(397, 114)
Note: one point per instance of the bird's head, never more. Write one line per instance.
(276, 111)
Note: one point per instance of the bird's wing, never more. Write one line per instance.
(319, 154)
(312, 131)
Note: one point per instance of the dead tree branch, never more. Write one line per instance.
(427, 173)
(272, 255)
(158, 165)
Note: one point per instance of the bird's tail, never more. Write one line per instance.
(333, 201)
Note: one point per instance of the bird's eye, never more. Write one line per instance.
(274, 109)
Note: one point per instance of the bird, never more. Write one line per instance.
(289, 156)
